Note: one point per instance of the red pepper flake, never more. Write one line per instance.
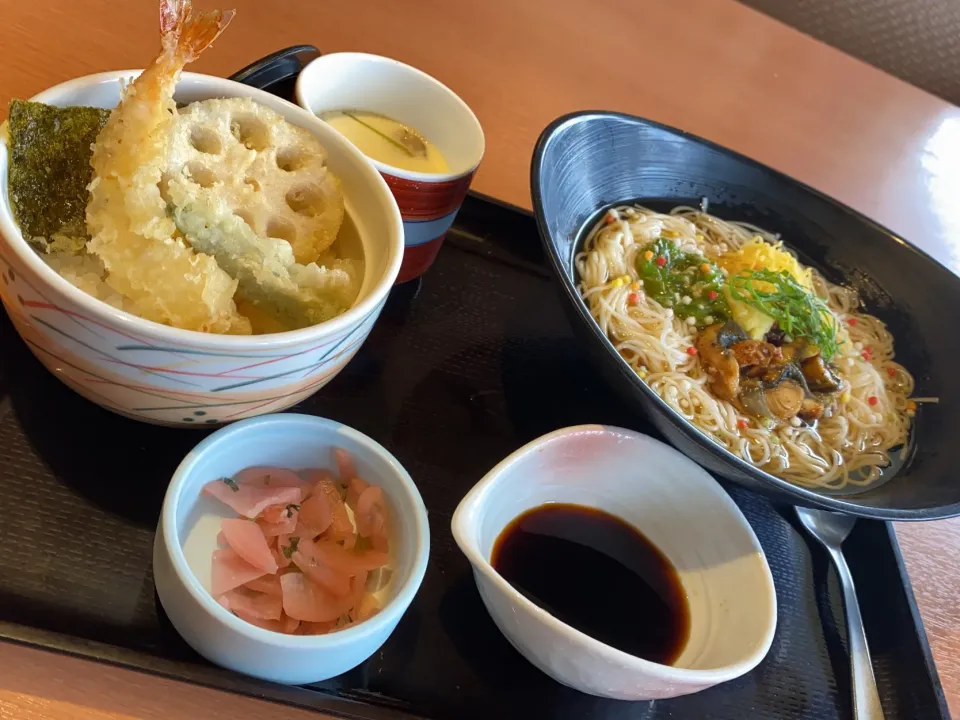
(691, 350)
(852, 322)
(742, 424)
(610, 219)
(633, 299)
(867, 354)
(872, 400)
(661, 260)
(892, 371)
(713, 295)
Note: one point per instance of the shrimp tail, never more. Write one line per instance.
(185, 35)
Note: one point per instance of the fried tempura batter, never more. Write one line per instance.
(146, 260)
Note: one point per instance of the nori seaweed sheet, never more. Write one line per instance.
(50, 150)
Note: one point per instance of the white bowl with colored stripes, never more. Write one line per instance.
(168, 376)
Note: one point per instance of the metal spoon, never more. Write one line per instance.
(831, 529)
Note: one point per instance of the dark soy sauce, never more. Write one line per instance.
(598, 574)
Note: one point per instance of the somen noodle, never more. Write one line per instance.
(868, 417)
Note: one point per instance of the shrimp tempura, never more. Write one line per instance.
(146, 260)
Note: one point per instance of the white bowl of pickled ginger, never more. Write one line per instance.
(228, 257)
(263, 522)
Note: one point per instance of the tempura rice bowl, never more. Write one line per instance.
(168, 376)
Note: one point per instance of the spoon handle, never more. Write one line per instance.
(866, 701)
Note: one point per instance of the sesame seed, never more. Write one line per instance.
(686, 300)
(708, 319)
(691, 320)
(795, 421)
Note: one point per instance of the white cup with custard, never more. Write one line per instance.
(424, 140)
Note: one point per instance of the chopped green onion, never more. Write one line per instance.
(386, 137)
(291, 548)
(798, 311)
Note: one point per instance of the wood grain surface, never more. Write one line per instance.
(930, 551)
(36, 684)
(712, 67)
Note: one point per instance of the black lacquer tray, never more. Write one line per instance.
(462, 368)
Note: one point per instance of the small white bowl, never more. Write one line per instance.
(186, 539)
(674, 503)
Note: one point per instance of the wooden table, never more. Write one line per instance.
(712, 67)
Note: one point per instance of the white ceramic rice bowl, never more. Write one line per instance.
(169, 376)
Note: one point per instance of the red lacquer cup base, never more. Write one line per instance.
(418, 258)
(427, 208)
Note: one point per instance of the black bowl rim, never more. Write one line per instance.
(781, 487)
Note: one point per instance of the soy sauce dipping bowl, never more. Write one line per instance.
(586, 162)
(673, 502)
